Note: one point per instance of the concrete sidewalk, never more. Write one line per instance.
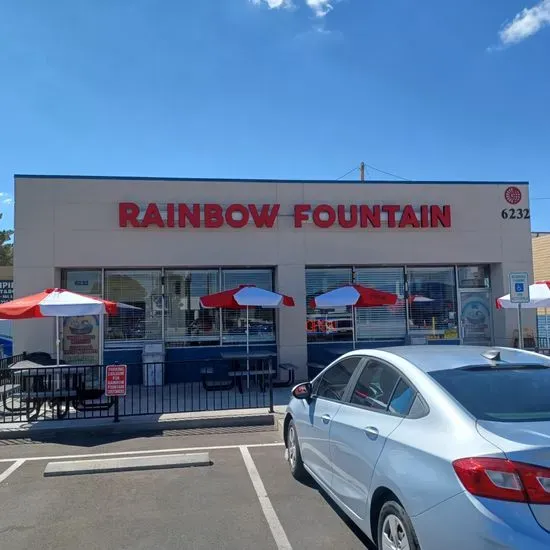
(144, 423)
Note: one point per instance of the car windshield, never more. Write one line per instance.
(510, 394)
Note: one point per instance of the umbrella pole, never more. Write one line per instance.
(247, 353)
(520, 328)
(353, 325)
(546, 325)
(57, 339)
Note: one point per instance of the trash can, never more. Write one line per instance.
(153, 365)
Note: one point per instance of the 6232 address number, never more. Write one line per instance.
(515, 214)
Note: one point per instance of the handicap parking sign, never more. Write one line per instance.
(519, 287)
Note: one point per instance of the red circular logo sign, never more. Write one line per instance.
(512, 195)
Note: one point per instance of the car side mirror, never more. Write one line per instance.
(303, 391)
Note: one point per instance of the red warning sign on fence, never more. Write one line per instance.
(115, 380)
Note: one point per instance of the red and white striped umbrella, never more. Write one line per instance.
(56, 302)
(355, 296)
(539, 297)
(246, 296)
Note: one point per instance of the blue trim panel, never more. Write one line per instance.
(7, 343)
(263, 180)
(182, 364)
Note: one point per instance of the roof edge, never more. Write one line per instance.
(267, 180)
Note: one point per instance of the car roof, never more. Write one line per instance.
(433, 357)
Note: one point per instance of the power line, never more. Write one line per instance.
(387, 173)
(348, 173)
(372, 168)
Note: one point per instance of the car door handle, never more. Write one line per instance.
(372, 432)
(326, 418)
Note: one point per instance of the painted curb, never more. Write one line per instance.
(126, 464)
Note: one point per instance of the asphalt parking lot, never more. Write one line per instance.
(246, 498)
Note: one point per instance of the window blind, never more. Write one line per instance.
(386, 322)
(327, 324)
(141, 289)
(261, 321)
(186, 322)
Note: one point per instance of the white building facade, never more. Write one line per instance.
(160, 244)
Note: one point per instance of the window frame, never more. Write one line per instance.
(116, 343)
(351, 382)
(400, 377)
(175, 342)
(186, 341)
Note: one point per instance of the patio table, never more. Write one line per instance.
(237, 373)
(57, 385)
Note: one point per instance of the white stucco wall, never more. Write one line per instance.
(73, 222)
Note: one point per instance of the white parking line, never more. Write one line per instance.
(269, 512)
(11, 469)
(143, 452)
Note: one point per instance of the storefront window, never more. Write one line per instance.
(261, 321)
(387, 322)
(141, 289)
(80, 335)
(327, 325)
(474, 276)
(186, 322)
(432, 303)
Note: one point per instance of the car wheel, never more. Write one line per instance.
(294, 455)
(395, 530)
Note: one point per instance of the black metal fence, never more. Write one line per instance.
(30, 391)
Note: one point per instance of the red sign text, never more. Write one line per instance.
(324, 216)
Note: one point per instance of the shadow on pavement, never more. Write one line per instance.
(312, 484)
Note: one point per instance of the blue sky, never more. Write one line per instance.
(298, 89)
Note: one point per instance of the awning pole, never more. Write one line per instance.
(520, 327)
(57, 338)
(247, 353)
(353, 324)
(547, 346)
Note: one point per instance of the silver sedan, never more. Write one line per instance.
(431, 447)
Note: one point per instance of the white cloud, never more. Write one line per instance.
(320, 7)
(274, 4)
(526, 23)
(6, 198)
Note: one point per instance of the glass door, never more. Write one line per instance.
(475, 317)
(476, 325)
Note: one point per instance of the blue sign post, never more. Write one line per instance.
(519, 294)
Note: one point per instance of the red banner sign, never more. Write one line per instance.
(115, 380)
(324, 216)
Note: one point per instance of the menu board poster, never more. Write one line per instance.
(81, 339)
(6, 291)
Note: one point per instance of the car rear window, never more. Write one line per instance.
(509, 394)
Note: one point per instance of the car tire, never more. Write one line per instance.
(294, 455)
(395, 528)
